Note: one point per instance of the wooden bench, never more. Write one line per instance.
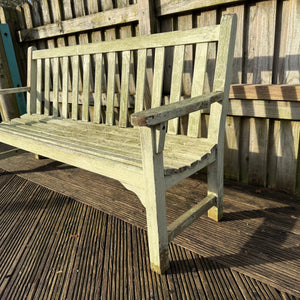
(147, 156)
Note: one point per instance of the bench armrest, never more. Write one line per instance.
(157, 115)
(14, 90)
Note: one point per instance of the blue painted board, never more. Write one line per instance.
(13, 66)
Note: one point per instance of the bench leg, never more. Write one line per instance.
(157, 234)
(215, 184)
(154, 199)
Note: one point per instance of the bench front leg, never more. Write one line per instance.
(152, 140)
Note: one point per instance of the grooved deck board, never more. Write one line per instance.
(60, 248)
(253, 252)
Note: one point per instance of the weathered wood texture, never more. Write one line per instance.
(72, 251)
(266, 52)
(258, 237)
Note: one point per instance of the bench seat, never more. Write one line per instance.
(67, 140)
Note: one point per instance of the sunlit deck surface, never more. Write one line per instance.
(68, 233)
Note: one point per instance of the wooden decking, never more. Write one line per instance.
(52, 246)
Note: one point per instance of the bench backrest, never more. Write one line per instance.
(103, 75)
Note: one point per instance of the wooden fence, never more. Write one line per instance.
(263, 126)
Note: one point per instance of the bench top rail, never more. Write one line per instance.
(167, 39)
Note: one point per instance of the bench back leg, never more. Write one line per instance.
(154, 200)
(215, 187)
(218, 111)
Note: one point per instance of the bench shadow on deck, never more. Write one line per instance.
(51, 245)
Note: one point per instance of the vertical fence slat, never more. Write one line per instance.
(259, 65)
(124, 89)
(231, 149)
(286, 170)
(158, 77)
(258, 147)
(126, 32)
(75, 86)
(292, 64)
(111, 60)
(176, 85)
(81, 38)
(98, 88)
(65, 86)
(237, 67)
(86, 87)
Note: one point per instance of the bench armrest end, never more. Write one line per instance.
(157, 115)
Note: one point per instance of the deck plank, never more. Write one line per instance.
(255, 247)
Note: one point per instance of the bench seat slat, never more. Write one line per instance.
(125, 173)
(112, 145)
(106, 142)
(187, 144)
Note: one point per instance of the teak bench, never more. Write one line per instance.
(147, 156)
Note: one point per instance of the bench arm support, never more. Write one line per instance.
(158, 115)
(14, 90)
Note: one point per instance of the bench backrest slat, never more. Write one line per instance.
(140, 80)
(222, 79)
(194, 126)
(65, 87)
(75, 86)
(55, 86)
(111, 84)
(168, 67)
(39, 76)
(176, 84)
(124, 89)
(158, 77)
(86, 86)
(31, 81)
(47, 87)
(98, 114)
